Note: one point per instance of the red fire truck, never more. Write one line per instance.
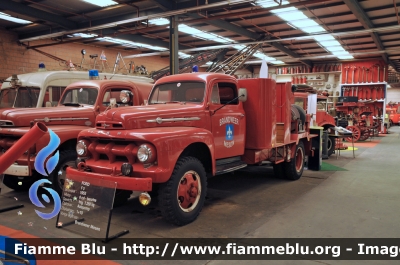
(195, 126)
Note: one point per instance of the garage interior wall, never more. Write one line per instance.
(393, 94)
(17, 59)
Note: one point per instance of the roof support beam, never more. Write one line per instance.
(164, 4)
(360, 14)
(250, 34)
(36, 13)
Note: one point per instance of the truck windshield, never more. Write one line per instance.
(7, 97)
(178, 92)
(22, 97)
(79, 96)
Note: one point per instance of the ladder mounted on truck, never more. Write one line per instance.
(186, 64)
(233, 63)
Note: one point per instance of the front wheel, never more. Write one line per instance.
(182, 197)
(294, 168)
(57, 177)
(20, 183)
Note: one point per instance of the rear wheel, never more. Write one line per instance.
(57, 177)
(294, 168)
(182, 197)
(356, 133)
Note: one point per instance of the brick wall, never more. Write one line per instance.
(16, 59)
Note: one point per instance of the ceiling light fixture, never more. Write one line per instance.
(14, 19)
(102, 3)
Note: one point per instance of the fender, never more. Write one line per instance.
(65, 132)
(169, 142)
(327, 124)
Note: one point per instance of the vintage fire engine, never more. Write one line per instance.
(195, 126)
(44, 89)
(323, 118)
(80, 103)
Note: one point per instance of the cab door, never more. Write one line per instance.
(228, 122)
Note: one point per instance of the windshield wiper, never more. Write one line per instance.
(72, 104)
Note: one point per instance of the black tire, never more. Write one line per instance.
(294, 168)
(182, 209)
(331, 145)
(20, 183)
(302, 113)
(57, 177)
(279, 171)
(121, 197)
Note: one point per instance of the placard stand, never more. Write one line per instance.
(87, 207)
(9, 202)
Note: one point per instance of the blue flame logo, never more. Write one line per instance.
(45, 152)
(33, 190)
(50, 165)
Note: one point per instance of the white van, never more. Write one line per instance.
(44, 89)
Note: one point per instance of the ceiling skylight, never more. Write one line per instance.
(269, 3)
(102, 3)
(132, 44)
(210, 37)
(296, 19)
(13, 19)
(84, 35)
(159, 21)
(127, 43)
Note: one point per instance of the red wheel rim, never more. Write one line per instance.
(356, 133)
(189, 191)
(299, 159)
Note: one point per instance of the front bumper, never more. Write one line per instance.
(123, 183)
(17, 170)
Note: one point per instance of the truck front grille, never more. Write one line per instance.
(113, 151)
(7, 142)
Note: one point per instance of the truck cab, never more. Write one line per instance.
(195, 126)
(77, 109)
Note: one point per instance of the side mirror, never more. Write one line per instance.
(125, 96)
(294, 88)
(242, 94)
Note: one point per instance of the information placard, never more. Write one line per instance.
(87, 207)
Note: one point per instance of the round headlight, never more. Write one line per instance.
(146, 153)
(125, 96)
(81, 148)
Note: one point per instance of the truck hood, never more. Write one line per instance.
(51, 116)
(160, 115)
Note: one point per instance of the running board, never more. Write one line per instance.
(225, 168)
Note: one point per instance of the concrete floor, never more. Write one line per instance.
(359, 203)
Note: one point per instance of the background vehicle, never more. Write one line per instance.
(323, 118)
(80, 103)
(44, 89)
